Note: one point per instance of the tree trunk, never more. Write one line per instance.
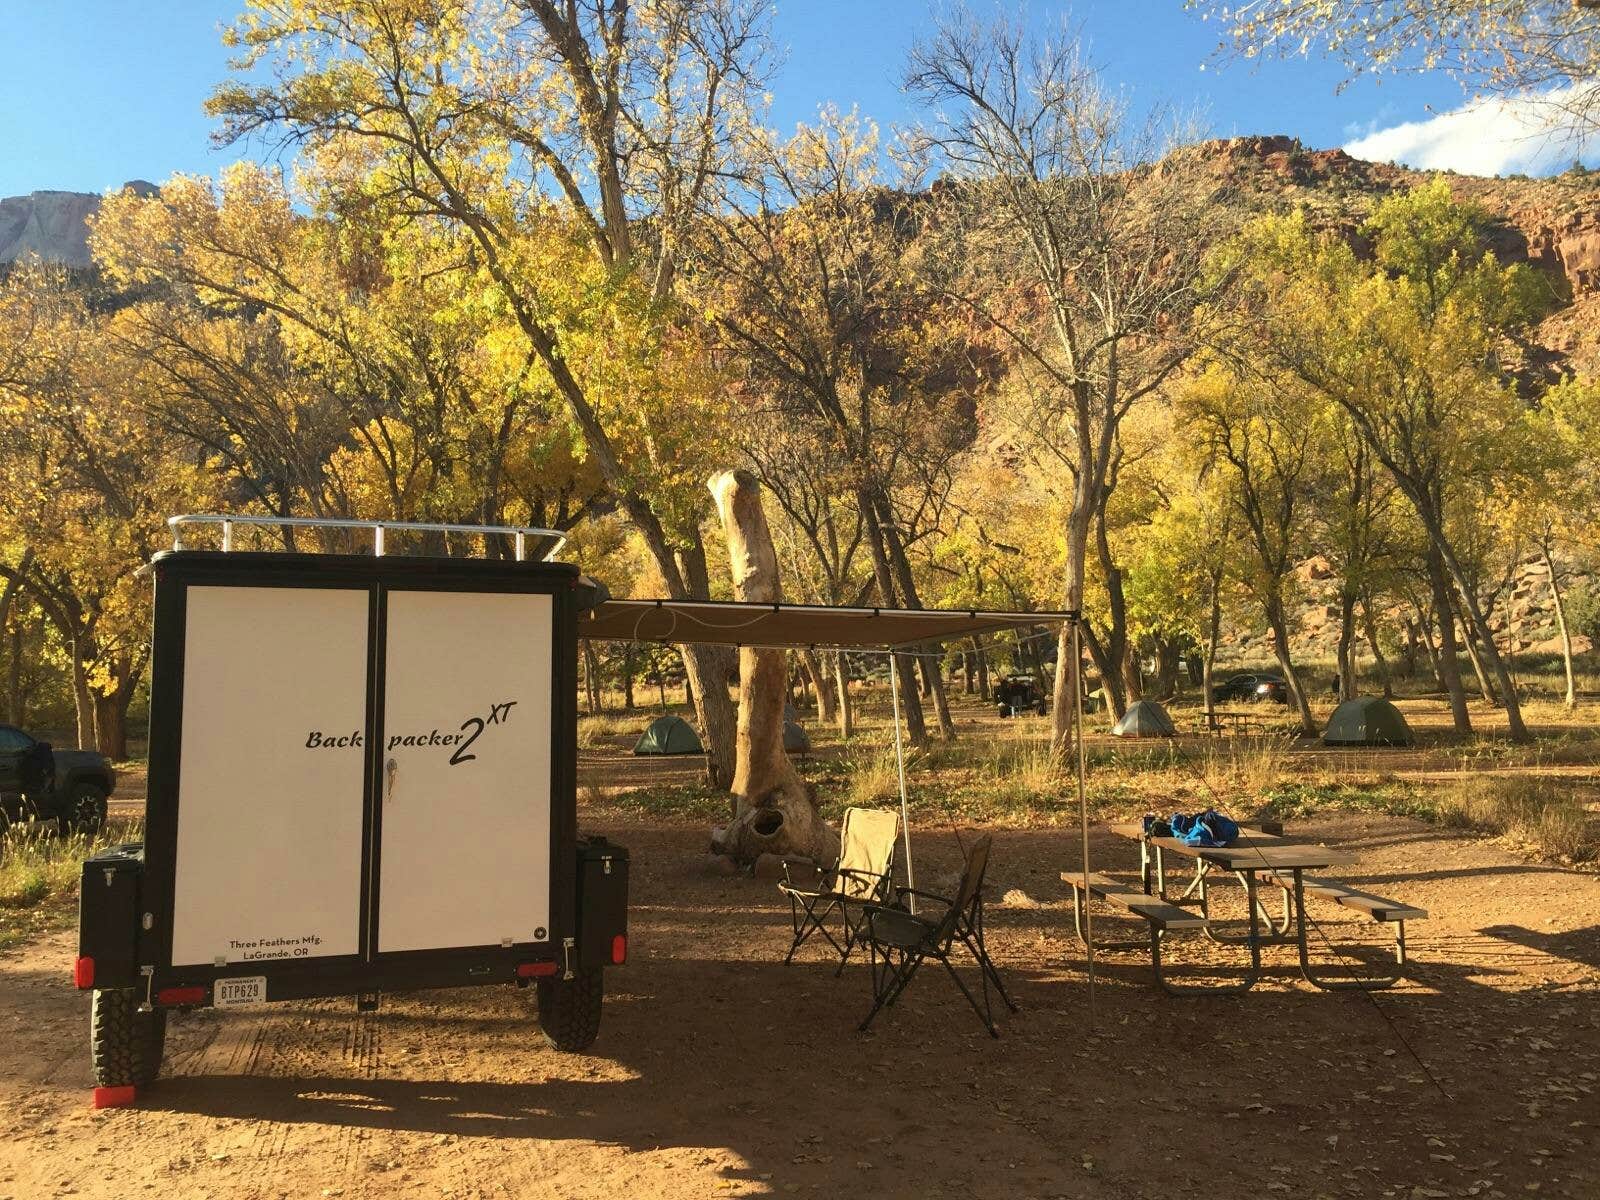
(968, 672)
(591, 678)
(1278, 623)
(1132, 673)
(982, 657)
(1370, 624)
(111, 723)
(1571, 698)
(1169, 661)
(821, 684)
(1449, 669)
(83, 701)
(1345, 658)
(628, 653)
(1208, 665)
(1485, 636)
(774, 810)
(841, 675)
(1485, 688)
(14, 705)
(883, 576)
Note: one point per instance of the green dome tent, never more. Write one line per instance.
(1145, 718)
(795, 739)
(1367, 721)
(669, 735)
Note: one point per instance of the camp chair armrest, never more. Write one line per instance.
(922, 895)
(819, 874)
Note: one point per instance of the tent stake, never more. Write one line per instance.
(900, 766)
(1083, 803)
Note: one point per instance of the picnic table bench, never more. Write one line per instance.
(1258, 852)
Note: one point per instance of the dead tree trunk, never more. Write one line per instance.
(774, 811)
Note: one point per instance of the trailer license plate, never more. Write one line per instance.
(228, 992)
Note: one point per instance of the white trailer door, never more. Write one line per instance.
(271, 783)
(464, 793)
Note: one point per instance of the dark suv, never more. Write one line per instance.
(40, 782)
(1017, 694)
(1251, 688)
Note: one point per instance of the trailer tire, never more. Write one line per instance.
(127, 1044)
(569, 1009)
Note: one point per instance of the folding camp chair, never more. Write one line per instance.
(900, 942)
(860, 876)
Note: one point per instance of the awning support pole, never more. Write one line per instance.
(1083, 799)
(900, 766)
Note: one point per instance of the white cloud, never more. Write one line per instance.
(1531, 135)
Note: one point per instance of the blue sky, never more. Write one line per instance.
(96, 92)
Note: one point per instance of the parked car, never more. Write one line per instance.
(1251, 687)
(1018, 694)
(39, 782)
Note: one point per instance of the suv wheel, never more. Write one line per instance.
(85, 809)
(569, 1009)
(127, 1044)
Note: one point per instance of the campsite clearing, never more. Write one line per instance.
(721, 1072)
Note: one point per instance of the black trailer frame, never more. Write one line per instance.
(132, 951)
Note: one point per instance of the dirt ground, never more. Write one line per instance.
(721, 1072)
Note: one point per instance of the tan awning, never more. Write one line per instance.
(730, 624)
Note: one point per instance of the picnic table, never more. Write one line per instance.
(1255, 858)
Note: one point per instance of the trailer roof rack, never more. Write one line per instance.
(518, 533)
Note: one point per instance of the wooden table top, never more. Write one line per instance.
(1253, 851)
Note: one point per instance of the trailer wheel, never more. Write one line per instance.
(569, 1009)
(127, 1044)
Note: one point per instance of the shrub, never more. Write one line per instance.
(1537, 811)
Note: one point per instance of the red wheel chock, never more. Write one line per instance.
(115, 1097)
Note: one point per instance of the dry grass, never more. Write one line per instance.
(1540, 812)
(39, 876)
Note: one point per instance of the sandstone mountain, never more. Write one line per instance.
(52, 225)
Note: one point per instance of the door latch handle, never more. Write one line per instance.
(390, 770)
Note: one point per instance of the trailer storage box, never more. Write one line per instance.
(602, 903)
(362, 779)
(108, 919)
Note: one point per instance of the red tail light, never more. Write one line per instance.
(529, 970)
(178, 996)
(83, 973)
(619, 948)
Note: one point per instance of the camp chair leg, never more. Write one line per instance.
(888, 981)
(1374, 983)
(1077, 924)
(809, 923)
(985, 1013)
(980, 952)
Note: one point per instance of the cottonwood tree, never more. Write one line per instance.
(1264, 435)
(807, 285)
(1085, 258)
(86, 480)
(1411, 346)
(533, 127)
(348, 367)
